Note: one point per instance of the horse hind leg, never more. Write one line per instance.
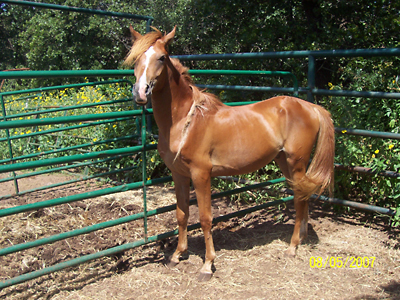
(294, 170)
(300, 226)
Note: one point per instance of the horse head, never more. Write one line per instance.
(149, 55)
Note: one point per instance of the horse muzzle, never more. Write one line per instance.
(142, 95)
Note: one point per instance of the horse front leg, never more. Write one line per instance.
(202, 184)
(182, 190)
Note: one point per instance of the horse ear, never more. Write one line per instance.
(168, 38)
(135, 35)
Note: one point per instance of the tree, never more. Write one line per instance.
(44, 39)
(12, 22)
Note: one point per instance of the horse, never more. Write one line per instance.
(200, 138)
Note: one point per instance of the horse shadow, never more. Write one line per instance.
(392, 289)
(243, 233)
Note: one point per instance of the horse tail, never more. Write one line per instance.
(319, 175)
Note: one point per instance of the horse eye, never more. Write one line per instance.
(162, 58)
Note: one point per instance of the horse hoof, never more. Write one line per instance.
(205, 276)
(290, 252)
(171, 264)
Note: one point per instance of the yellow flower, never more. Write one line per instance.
(391, 146)
(94, 139)
(344, 131)
(373, 155)
(152, 159)
(376, 151)
(114, 126)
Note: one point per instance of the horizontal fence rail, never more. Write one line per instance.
(78, 9)
(294, 54)
(64, 74)
(310, 55)
(295, 89)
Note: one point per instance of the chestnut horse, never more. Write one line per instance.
(200, 137)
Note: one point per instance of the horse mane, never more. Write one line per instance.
(141, 45)
(203, 102)
(200, 97)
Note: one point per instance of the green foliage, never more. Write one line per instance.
(375, 153)
(47, 39)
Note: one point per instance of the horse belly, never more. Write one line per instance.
(246, 141)
(240, 158)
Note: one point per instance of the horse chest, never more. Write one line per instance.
(168, 153)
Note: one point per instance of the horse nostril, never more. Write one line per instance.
(134, 90)
(147, 89)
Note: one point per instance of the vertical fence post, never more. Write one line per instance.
(148, 24)
(144, 171)
(3, 108)
(311, 78)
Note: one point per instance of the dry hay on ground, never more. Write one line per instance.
(249, 264)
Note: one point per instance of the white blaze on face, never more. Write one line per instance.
(143, 79)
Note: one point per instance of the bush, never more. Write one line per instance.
(375, 153)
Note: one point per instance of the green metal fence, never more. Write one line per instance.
(86, 155)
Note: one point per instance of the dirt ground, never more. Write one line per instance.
(250, 263)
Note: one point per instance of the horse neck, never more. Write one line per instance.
(171, 100)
